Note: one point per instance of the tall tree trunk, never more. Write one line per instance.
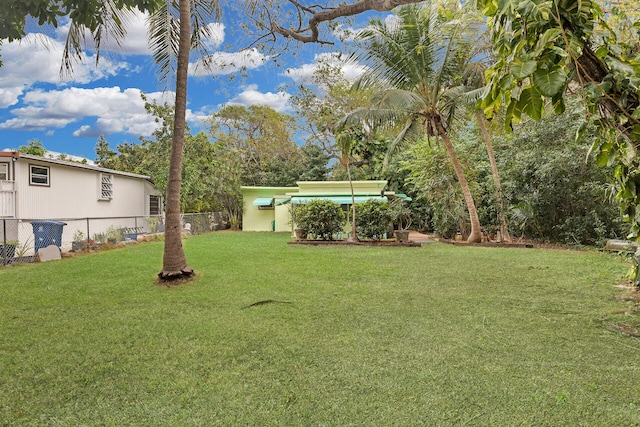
(174, 263)
(504, 229)
(353, 237)
(476, 234)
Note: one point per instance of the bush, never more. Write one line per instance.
(320, 218)
(372, 219)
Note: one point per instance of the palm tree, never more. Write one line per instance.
(419, 68)
(474, 78)
(171, 42)
(344, 141)
(172, 38)
(504, 227)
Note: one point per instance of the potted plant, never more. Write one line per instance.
(294, 220)
(78, 243)
(402, 218)
(153, 223)
(99, 238)
(114, 235)
(8, 249)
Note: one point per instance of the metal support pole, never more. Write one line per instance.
(88, 235)
(5, 250)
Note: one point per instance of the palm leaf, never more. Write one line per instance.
(110, 23)
(420, 64)
(164, 34)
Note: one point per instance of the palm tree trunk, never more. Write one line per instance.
(476, 234)
(504, 229)
(174, 263)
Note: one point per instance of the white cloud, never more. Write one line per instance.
(216, 31)
(346, 33)
(9, 95)
(350, 71)
(136, 43)
(37, 58)
(222, 63)
(116, 111)
(251, 96)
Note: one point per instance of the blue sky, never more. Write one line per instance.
(69, 114)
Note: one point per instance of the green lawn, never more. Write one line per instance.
(439, 335)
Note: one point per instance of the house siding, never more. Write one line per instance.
(74, 193)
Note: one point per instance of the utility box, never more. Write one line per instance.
(46, 233)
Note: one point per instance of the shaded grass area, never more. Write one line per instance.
(438, 335)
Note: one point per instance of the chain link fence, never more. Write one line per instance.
(21, 239)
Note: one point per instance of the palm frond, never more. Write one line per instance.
(73, 48)
(202, 14)
(164, 34)
(407, 128)
(422, 62)
(471, 97)
(109, 24)
(399, 99)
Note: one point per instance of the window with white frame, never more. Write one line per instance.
(39, 175)
(106, 187)
(4, 171)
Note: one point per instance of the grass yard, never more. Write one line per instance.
(439, 336)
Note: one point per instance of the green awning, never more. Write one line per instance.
(282, 201)
(403, 196)
(263, 201)
(341, 200)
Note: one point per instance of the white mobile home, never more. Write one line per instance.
(42, 188)
(39, 188)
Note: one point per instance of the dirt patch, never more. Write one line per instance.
(519, 243)
(626, 320)
(491, 244)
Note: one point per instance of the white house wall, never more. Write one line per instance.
(74, 193)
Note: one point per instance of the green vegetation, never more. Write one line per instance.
(372, 336)
(373, 218)
(319, 218)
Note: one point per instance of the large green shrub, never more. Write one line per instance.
(372, 219)
(555, 194)
(320, 218)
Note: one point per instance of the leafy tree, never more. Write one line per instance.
(261, 141)
(315, 163)
(422, 69)
(227, 182)
(105, 156)
(434, 180)
(555, 195)
(541, 48)
(151, 157)
(34, 147)
(322, 100)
